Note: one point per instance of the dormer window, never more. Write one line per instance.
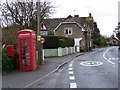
(68, 31)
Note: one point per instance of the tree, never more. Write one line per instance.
(96, 31)
(100, 40)
(24, 13)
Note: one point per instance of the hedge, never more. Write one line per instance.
(52, 42)
(9, 63)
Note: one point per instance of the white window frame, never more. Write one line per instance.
(69, 30)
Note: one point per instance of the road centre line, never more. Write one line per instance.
(72, 78)
(70, 69)
(106, 58)
(73, 85)
(71, 72)
(70, 65)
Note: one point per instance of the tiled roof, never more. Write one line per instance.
(54, 22)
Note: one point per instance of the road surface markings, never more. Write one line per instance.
(106, 58)
(70, 72)
(70, 69)
(70, 65)
(73, 85)
(91, 63)
(113, 58)
(71, 76)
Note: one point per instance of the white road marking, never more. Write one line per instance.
(71, 75)
(72, 78)
(70, 72)
(117, 58)
(106, 58)
(113, 58)
(70, 65)
(70, 69)
(73, 85)
(91, 63)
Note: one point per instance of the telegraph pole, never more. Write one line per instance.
(39, 47)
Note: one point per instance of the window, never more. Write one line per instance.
(68, 31)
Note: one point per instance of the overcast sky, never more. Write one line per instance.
(105, 12)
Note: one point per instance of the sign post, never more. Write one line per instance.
(42, 42)
(39, 47)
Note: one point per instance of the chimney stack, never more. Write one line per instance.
(90, 15)
(76, 16)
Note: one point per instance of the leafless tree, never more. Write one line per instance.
(24, 13)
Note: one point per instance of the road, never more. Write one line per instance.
(97, 69)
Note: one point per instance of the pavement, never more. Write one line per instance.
(22, 79)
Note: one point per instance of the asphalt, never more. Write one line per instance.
(101, 76)
(22, 79)
(104, 75)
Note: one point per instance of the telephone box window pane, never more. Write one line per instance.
(34, 47)
(25, 52)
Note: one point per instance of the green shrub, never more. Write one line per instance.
(99, 41)
(69, 42)
(9, 63)
(6, 62)
(52, 42)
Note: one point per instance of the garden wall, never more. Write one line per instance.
(59, 51)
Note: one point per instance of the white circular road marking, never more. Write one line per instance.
(91, 63)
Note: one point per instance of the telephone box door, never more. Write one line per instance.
(27, 50)
(25, 53)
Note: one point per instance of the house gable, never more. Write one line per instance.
(73, 30)
(68, 23)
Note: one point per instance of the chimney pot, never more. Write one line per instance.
(76, 16)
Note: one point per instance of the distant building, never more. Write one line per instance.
(79, 28)
(113, 41)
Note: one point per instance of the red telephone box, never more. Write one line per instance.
(27, 49)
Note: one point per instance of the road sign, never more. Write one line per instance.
(43, 27)
(42, 40)
(38, 37)
(44, 33)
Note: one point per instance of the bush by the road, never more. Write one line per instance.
(9, 63)
(52, 42)
(100, 41)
